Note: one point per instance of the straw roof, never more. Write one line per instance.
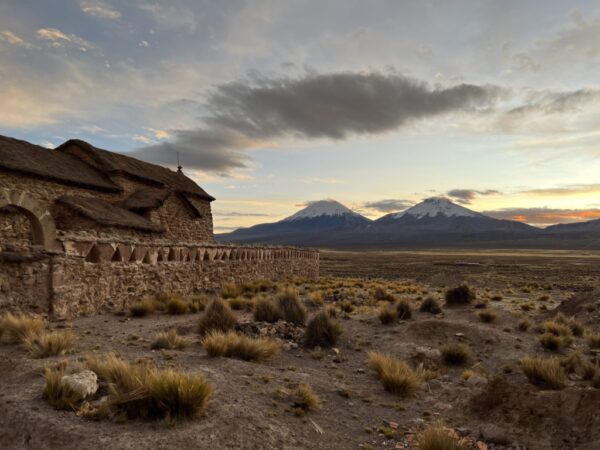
(108, 214)
(145, 199)
(23, 157)
(115, 163)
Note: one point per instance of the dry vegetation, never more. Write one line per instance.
(417, 383)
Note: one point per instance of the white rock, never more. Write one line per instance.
(84, 383)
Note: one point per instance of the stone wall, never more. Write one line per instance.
(95, 276)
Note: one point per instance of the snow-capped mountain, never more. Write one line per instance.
(305, 227)
(440, 215)
(434, 206)
(322, 208)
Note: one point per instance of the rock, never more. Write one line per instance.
(463, 431)
(477, 380)
(427, 352)
(494, 434)
(85, 383)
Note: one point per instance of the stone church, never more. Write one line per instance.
(84, 229)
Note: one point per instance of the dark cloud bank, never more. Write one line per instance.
(465, 196)
(335, 106)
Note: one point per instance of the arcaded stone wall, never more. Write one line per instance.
(15, 230)
(95, 276)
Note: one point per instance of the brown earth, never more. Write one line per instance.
(498, 406)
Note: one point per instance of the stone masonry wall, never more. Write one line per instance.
(25, 282)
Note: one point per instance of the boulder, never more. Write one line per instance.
(85, 383)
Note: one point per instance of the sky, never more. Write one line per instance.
(274, 104)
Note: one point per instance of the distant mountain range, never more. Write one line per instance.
(435, 222)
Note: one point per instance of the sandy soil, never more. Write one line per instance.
(499, 408)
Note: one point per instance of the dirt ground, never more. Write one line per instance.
(498, 407)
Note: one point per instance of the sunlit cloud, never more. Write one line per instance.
(58, 39)
(11, 38)
(98, 9)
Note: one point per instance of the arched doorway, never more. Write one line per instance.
(42, 223)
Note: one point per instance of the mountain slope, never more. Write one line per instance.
(302, 228)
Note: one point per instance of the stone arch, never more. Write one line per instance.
(42, 222)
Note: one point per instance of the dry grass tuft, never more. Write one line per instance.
(438, 437)
(290, 308)
(456, 354)
(322, 330)
(593, 340)
(396, 376)
(460, 295)
(524, 325)
(404, 310)
(177, 306)
(55, 393)
(198, 303)
(554, 342)
(45, 344)
(306, 398)
(316, 298)
(169, 340)
(143, 391)
(18, 328)
(544, 372)
(239, 304)
(487, 316)
(217, 317)
(387, 315)
(236, 345)
(142, 308)
(265, 311)
(380, 294)
(230, 290)
(576, 363)
(430, 305)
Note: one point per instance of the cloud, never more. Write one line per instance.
(239, 214)
(465, 196)
(243, 115)
(545, 216)
(573, 189)
(548, 102)
(388, 205)
(98, 9)
(58, 39)
(11, 38)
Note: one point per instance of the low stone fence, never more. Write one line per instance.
(88, 277)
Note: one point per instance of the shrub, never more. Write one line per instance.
(290, 308)
(381, 294)
(18, 328)
(455, 353)
(553, 342)
(265, 311)
(217, 317)
(177, 306)
(593, 340)
(230, 290)
(142, 308)
(577, 329)
(306, 398)
(524, 325)
(238, 304)
(396, 376)
(45, 344)
(437, 437)
(142, 391)
(430, 305)
(346, 307)
(169, 340)
(235, 345)
(404, 310)
(59, 396)
(544, 372)
(316, 298)
(487, 316)
(387, 315)
(556, 328)
(576, 363)
(460, 295)
(198, 303)
(322, 330)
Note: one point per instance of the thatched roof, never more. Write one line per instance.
(24, 157)
(145, 199)
(115, 163)
(108, 214)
